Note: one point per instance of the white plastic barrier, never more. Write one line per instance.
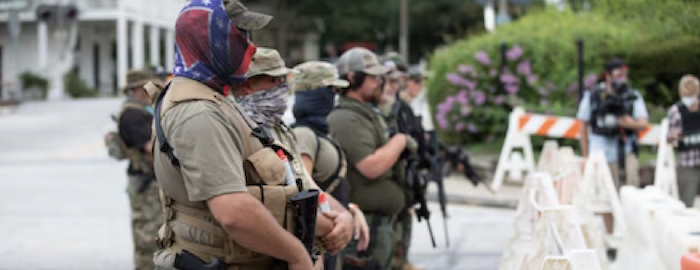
(521, 125)
(570, 173)
(599, 192)
(665, 175)
(513, 163)
(638, 249)
(548, 157)
(576, 260)
(526, 220)
(558, 232)
(676, 233)
(543, 227)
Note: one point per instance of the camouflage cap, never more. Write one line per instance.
(394, 72)
(315, 74)
(268, 62)
(138, 77)
(394, 57)
(360, 59)
(245, 19)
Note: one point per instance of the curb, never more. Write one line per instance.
(7, 109)
(475, 200)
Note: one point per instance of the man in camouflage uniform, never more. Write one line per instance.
(135, 130)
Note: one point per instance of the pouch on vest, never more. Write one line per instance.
(115, 145)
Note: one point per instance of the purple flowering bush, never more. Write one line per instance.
(485, 96)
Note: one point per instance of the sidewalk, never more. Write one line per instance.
(460, 191)
(7, 107)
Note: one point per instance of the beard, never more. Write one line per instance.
(375, 97)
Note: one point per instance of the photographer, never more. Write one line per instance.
(611, 118)
(611, 115)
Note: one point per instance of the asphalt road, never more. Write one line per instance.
(63, 203)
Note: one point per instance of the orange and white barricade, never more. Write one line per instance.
(521, 125)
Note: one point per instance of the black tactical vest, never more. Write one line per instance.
(691, 128)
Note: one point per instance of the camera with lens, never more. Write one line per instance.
(619, 104)
(610, 108)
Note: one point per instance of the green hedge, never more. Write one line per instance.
(31, 81)
(657, 66)
(76, 87)
(659, 39)
(548, 41)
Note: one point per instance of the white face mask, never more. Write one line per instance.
(688, 101)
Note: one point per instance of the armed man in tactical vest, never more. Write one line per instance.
(266, 107)
(315, 86)
(375, 171)
(132, 141)
(226, 201)
(612, 115)
(684, 133)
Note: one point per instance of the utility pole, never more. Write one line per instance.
(403, 39)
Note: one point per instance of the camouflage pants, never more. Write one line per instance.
(146, 218)
(382, 240)
(402, 234)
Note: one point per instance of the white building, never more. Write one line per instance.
(113, 36)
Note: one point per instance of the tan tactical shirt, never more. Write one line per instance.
(326, 162)
(209, 148)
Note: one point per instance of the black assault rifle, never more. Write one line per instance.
(426, 164)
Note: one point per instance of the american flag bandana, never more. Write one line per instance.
(209, 48)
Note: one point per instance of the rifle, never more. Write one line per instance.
(305, 204)
(456, 156)
(407, 123)
(428, 157)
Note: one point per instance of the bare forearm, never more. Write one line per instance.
(383, 158)
(254, 228)
(640, 124)
(324, 225)
(335, 205)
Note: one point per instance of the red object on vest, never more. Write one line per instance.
(690, 261)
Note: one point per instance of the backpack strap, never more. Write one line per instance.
(334, 180)
(164, 145)
(195, 91)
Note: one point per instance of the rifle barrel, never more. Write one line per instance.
(430, 230)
